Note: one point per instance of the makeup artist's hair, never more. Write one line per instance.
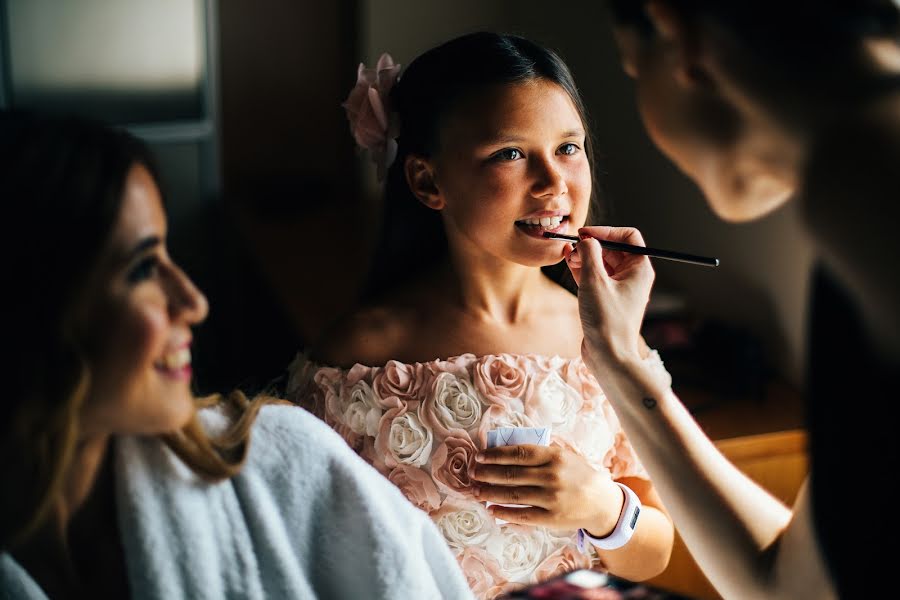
(62, 182)
(799, 34)
(429, 90)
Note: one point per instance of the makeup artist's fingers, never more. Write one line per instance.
(573, 261)
(626, 235)
(611, 306)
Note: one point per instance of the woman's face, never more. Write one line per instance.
(704, 117)
(512, 165)
(136, 319)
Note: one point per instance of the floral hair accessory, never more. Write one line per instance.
(372, 124)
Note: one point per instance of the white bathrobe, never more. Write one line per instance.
(305, 518)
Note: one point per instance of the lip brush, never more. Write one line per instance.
(654, 252)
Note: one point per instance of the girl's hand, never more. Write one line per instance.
(614, 288)
(562, 489)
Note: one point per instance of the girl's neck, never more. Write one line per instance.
(494, 291)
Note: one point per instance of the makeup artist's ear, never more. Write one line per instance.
(678, 43)
(420, 179)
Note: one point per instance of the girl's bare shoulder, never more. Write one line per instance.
(377, 332)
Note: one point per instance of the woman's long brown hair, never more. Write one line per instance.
(62, 182)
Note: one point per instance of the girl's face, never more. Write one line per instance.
(136, 320)
(512, 165)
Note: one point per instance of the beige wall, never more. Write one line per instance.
(762, 281)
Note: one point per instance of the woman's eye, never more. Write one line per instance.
(508, 154)
(568, 149)
(143, 270)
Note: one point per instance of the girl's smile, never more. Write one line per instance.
(512, 165)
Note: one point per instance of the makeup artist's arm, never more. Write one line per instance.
(563, 491)
(747, 542)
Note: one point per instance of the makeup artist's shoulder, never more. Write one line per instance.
(371, 336)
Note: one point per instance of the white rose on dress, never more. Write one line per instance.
(464, 524)
(592, 437)
(403, 439)
(452, 404)
(519, 550)
(359, 408)
(554, 403)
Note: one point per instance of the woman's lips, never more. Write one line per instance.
(176, 364)
(179, 374)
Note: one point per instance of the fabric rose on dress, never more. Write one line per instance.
(372, 123)
(452, 462)
(355, 407)
(458, 365)
(417, 486)
(591, 391)
(403, 439)
(519, 549)
(568, 558)
(464, 524)
(399, 380)
(552, 402)
(481, 570)
(500, 380)
(451, 404)
(590, 437)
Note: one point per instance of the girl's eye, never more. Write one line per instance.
(508, 154)
(143, 270)
(568, 149)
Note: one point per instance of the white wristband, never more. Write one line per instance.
(623, 530)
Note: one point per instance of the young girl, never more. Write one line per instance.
(492, 143)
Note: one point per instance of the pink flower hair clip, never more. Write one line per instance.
(372, 123)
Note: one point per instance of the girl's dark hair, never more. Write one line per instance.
(799, 33)
(428, 90)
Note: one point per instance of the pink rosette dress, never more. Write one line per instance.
(421, 425)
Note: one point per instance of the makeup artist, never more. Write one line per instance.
(763, 102)
(116, 481)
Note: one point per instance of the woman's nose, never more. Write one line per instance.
(187, 302)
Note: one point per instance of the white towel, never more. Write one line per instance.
(305, 518)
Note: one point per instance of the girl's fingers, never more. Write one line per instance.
(526, 515)
(522, 454)
(530, 495)
(510, 475)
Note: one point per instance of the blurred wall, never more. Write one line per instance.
(762, 281)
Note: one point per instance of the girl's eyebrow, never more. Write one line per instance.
(508, 138)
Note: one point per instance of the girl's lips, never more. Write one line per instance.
(536, 231)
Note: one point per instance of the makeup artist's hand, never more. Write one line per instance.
(562, 490)
(614, 288)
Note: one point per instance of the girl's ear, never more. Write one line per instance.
(421, 181)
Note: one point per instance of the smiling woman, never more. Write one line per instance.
(99, 422)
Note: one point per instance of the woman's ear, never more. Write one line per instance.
(680, 42)
(421, 181)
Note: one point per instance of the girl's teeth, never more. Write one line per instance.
(545, 222)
